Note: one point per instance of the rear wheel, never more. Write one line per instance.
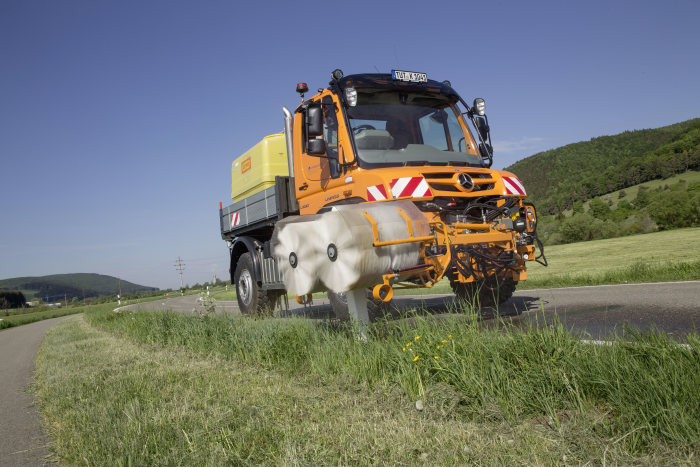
(252, 300)
(492, 291)
(339, 303)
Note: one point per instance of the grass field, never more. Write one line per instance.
(659, 256)
(174, 389)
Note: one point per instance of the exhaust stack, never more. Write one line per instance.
(288, 119)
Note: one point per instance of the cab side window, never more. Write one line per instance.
(330, 136)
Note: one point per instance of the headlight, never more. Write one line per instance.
(351, 96)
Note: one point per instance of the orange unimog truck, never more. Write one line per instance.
(377, 183)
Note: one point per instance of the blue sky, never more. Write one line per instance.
(119, 119)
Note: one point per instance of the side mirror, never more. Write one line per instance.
(314, 121)
(315, 147)
(482, 127)
(486, 153)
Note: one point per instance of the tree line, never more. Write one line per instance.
(559, 178)
(11, 299)
(664, 208)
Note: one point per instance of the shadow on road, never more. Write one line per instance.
(429, 305)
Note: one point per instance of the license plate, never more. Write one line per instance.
(410, 76)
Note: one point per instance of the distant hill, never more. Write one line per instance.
(78, 285)
(556, 179)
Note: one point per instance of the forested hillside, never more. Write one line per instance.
(78, 285)
(558, 178)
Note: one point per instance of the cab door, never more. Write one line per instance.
(320, 172)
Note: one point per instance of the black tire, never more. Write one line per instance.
(339, 302)
(492, 291)
(252, 300)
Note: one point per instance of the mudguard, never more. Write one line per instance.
(241, 245)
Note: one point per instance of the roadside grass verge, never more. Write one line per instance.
(229, 294)
(640, 392)
(18, 319)
(634, 273)
(165, 389)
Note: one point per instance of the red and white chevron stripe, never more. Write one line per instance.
(414, 187)
(235, 219)
(376, 193)
(514, 186)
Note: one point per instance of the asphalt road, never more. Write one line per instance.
(597, 312)
(22, 438)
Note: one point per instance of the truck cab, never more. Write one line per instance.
(362, 132)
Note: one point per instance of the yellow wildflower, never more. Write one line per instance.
(438, 347)
(436, 357)
(404, 349)
(450, 336)
(443, 341)
(408, 345)
(416, 358)
(416, 338)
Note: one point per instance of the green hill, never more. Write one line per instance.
(558, 178)
(78, 285)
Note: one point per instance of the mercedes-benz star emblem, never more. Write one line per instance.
(465, 181)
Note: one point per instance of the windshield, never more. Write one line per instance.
(393, 127)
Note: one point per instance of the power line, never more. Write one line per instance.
(180, 266)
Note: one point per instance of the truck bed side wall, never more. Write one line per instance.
(259, 210)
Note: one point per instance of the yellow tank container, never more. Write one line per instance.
(257, 168)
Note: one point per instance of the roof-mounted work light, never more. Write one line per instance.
(337, 74)
(301, 89)
(351, 96)
(479, 107)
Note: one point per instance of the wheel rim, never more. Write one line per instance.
(245, 287)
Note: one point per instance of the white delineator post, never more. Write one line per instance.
(357, 307)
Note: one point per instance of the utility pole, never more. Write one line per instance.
(180, 266)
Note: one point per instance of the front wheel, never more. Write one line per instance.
(491, 291)
(252, 300)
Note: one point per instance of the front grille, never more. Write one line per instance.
(482, 181)
(442, 187)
